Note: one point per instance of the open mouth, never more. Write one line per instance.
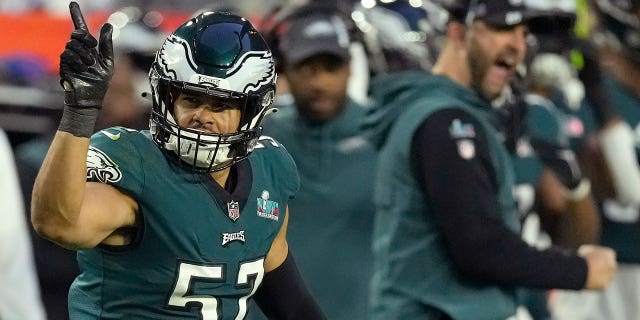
(503, 70)
(509, 64)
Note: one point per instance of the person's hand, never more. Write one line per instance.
(602, 265)
(85, 73)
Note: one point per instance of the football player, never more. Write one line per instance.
(187, 220)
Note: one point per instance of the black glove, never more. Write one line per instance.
(591, 76)
(562, 161)
(85, 74)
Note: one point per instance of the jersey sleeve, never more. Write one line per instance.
(114, 159)
(451, 153)
(281, 164)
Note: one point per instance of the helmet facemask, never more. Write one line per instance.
(206, 151)
(179, 69)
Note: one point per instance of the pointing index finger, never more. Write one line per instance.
(76, 16)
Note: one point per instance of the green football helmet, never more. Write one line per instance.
(216, 54)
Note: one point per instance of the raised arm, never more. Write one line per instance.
(65, 208)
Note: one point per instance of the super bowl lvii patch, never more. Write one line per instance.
(459, 130)
(267, 208)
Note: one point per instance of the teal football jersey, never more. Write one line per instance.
(412, 268)
(199, 250)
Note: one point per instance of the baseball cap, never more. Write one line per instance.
(499, 13)
(314, 35)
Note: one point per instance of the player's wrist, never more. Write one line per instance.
(80, 122)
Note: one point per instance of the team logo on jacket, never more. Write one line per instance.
(466, 149)
(233, 209)
(267, 208)
(463, 133)
(230, 237)
(100, 168)
(459, 130)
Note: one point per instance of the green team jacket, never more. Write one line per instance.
(331, 235)
(413, 272)
(199, 250)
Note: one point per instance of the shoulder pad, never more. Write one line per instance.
(267, 142)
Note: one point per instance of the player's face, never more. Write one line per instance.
(493, 55)
(319, 86)
(207, 113)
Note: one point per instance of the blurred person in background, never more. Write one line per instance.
(553, 196)
(19, 292)
(395, 34)
(321, 129)
(563, 192)
(447, 241)
(611, 75)
(399, 37)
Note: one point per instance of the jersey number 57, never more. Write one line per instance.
(187, 273)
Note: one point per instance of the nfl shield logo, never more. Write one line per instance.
(233, 209)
